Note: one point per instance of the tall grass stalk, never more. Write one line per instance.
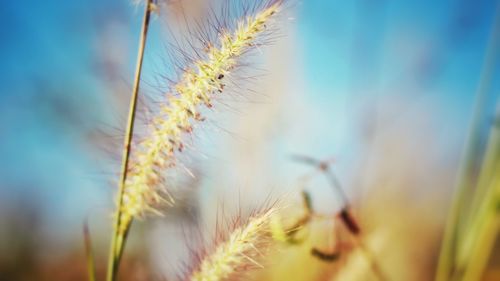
(459, 222)
(89, 253)
(119, 235)
(484, 227)
(197, 87)
(485, 194)
(143, 172)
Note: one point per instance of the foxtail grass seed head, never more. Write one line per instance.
(240, 249)
(195, 88)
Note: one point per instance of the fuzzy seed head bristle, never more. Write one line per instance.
(195, 89)
(237, 250)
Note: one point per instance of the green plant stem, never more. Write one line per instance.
(89, 253)
(486, 227)
(465, 180)
(483, 194)
(118, 239)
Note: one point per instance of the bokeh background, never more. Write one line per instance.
(385, 88)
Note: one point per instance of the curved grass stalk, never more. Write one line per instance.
(455, 226)
(197, 86)
(479, 241)
(142, 174)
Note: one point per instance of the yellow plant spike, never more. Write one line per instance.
(195, 88)
(236, 251)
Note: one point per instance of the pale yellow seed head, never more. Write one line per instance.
(196, 87)
(239, 249)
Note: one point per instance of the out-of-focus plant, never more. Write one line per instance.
(474, 220)
(344, 215)
(142, 183)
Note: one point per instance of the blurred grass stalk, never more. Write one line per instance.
(89, 253)
(484, 223)
(119, 238)
(474, 219)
